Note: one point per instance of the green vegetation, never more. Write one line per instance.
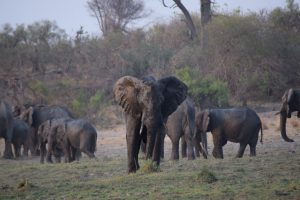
(247, 57)
(205, 89)
(262, 177)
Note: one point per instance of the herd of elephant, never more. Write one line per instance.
(153, 108)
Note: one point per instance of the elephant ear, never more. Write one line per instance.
(290, 95)
(126, 91)
(27, 115)
(205, 120)
(59, 132)
(174, 92)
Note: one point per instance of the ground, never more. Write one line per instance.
(273, 174)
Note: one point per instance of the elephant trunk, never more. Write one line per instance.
(283, 116)
(204, 141)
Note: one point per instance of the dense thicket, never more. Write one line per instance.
(247, 57)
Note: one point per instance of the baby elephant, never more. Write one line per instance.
(43, 133)
(239, 125)
(72, 135)
(20, 137)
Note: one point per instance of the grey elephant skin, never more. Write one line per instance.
(147, 103)
(72, 135)
(20, 137)
(239, 125)
(43, 134)
(290, 103)
(181, 124)
(35, 115)
(6, 128)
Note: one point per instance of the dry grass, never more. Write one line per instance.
(295, 123)
(264, 124)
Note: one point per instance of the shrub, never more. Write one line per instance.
(206, 176)
(206, 91)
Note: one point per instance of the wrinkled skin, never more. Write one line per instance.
(34, 116)
(290, 103)
(200, 139)
(6, 128)
(147, 104)
(239, 125)
(73, 135)
(181, 124)
(20, 137)
(43, 133)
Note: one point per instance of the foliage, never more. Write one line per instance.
(252, 57)
(206, 176)
(206, 91)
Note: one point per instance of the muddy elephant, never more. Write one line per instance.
(35, 115)
(147, 103)
(20, 137)
(290, 103)
(43, 133)
(6, 128)
(181, 124)
(72, 135)
(239, 125)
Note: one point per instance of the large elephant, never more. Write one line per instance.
(43, 133)
(36, 115)
(290, 103)
(20, 137)
(6, 128)
(73, 135)
(147, 104)
(239, 125)
(181, 124)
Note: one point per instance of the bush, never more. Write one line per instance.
(206, 176)
(206, 91)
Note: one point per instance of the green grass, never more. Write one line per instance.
(266, 176)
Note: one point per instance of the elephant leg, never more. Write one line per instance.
(43, 152)
(241, 150)
(252, 150)
(8, 154)
(175, 150)
(217, 150)
(162, 150)
(49, 153)
(16, 150)
(183, 147)
(197, 147)
(190, 147)
(133, 141)
(25, 150)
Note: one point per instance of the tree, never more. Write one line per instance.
(115, 15)
(189, 20)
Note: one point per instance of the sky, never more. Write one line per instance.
(71, 14)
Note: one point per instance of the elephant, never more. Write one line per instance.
(72, 135)
(290, 103)
(239, 125)
(6, 128)
(200, 138)
(147, 103)
(43, 133)
(35, 115)
(181, 124)
(20, 137)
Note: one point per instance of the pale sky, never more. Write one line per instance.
(71, 14)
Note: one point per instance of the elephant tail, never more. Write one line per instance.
(93, 147)
(261, 134)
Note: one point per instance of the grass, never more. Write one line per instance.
(263, 177)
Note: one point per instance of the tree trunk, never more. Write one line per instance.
(188, 18)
